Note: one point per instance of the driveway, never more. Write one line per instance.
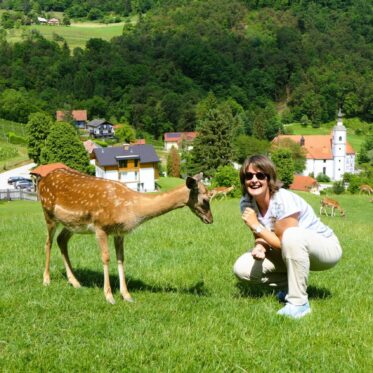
(19, 171)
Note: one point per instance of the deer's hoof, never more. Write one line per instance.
(110, 299)
(128, 299)
(46, 282)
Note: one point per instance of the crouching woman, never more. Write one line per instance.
(290, 240)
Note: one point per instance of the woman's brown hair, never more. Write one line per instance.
(265, 165)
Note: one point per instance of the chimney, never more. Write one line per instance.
(126, 147)
(302, 141)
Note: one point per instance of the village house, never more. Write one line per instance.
(305, 184)
(175, 139)
(53, 22)
(100, 128)
(79, 117)
(330, 155)
(134, 165)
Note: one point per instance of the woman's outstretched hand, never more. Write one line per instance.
(258, 252)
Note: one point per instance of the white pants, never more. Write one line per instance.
(302, 250)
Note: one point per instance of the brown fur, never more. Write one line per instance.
(86, 204)
(365, 188)
(223, 191)
(329, 202)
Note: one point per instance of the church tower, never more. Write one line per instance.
(339, 140)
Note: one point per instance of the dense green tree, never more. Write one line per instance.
(63, 145)
(213, 147)
(125, 133)
(298, 153)
(38, 128)
(284, 163)
(246, 146)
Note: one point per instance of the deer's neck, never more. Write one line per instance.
(149, 206)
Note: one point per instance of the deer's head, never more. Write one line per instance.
(199, 198)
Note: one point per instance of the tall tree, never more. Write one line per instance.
(63, 145)
(284, 165)
(38, 128)
(213, 147)
(173, 163)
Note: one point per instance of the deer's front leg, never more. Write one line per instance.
(102, 239)
(51, 226)
(118, 241)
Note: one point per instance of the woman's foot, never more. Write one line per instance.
(295, 312)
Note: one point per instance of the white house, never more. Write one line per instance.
(133, 165)
(174, 139)
(331, 155)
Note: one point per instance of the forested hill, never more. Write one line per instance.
(311, 56)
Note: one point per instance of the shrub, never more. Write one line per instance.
(322, 178)
(338, 187)
(227, 176)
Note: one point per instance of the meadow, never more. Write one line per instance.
(76, 35)
(190, 313)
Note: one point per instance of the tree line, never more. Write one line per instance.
(309, 58)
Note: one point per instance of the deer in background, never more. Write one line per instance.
(365, 188)
(86, 204)
(329, 202)
(220, 191)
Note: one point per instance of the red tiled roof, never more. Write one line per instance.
(303, 183)
(179, 136)
(79, 115)
(89, 145)
(45, 169)
(317, 146)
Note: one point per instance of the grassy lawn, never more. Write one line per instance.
(190, 312)
(75, 35)
(20, 159)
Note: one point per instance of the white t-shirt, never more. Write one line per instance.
(283, 204)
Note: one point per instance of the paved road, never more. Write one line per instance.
(20, 171)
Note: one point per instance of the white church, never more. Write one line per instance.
(330, 155)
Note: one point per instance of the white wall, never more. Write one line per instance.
(147, 177)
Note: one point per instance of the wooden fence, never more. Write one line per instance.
(17, 194)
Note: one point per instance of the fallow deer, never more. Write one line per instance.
(223, 191)
(365, 188)
(86, 204)
(329, 202)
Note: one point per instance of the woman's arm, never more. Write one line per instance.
(265, 236)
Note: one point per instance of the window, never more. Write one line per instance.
(123, 163)
(136, 163)
(340, 138)
(324, 160)
(324, 170)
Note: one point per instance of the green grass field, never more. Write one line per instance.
(75, 35)
(190, 314)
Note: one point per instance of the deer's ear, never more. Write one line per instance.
(198, 177)
(191, 182)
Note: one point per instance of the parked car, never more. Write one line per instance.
(13, 179)
(25, 184)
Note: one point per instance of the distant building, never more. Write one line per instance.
(79, 117)
(53, 22)
(89, 146)
(330, 155)
(176, 138)
(134, 165)
(100, 128)
(305, 184)
(42, 20)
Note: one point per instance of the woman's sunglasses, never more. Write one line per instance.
(259, 175)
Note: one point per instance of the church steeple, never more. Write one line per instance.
(339, 140)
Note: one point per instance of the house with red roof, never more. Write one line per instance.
(79, 117)
(175, 139)
(305, 184)
(330, 155)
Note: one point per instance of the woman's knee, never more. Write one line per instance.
(292, 241)
(243, 269)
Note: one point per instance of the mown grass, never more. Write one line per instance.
(190, 312)
(75, 35)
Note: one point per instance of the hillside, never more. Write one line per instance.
(313, 57)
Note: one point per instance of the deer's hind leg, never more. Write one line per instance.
(62, 240)
(51, 227)
(102, 239)
(118, 242)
